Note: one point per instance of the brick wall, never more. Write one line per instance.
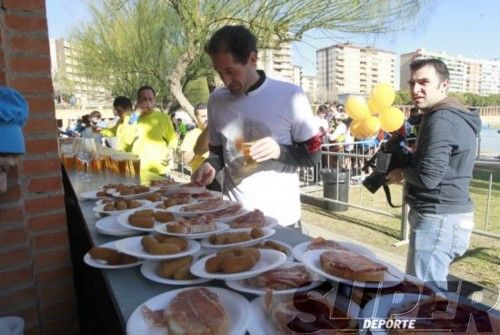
(35, 269)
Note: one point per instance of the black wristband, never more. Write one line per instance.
(297, 155)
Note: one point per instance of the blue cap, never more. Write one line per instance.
(13, 115)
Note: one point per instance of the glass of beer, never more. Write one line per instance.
(122, 165)
(245, 149)
(136, 166)
(69, 161)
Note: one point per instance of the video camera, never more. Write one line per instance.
(390, 156)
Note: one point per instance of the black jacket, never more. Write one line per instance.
(438, 181)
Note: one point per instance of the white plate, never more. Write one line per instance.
(268, 232)
(289, 247)
(132, 246)
(101, 265)
(219, 227)
(178, 209)
(235, 305)
(300, 249)
(261, 322)
(133, 196)
(269, 259)
(243, 286)
(100, 208)
(122, 220)
(109, 226)
(92, 195)
(392, 277)
(379, 307)
(101, 202)
(149, 269)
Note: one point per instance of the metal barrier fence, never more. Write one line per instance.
(339, 160)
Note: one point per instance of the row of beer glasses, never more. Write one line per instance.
(86, 157)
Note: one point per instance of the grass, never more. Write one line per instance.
(479, 264)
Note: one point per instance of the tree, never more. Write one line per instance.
(64, 88)
(403, 97)
(278, 21)
(130, 41)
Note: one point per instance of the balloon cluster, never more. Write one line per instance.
(378, 113)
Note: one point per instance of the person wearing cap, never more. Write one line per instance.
(13, 116)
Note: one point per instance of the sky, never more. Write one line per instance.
(470, 28)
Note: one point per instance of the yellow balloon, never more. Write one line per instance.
(356, 107)
(371, 125)
(374, 108)
(383, 95)
(356, 129)
(391, 119)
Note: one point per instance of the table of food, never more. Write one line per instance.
(181, 259)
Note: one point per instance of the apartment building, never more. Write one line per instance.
(349, 69)
(277, 62)
(66, 69)
(466, 74)
(308, 84)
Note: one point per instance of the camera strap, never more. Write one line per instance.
(387, 192)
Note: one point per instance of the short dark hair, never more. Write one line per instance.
(95, 114)
(322, 109)
(145, 87)
(437, 64)
(86, 119)
(201, 105)
(236, 40)
(122, 102)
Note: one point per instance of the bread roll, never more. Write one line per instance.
(176, 229)
(167, 268)
(108, 255)
(182, 243)
(144, 212)
(141, 221)
(163, 216)
(164, 249)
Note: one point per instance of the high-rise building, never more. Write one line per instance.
(277, 62)
(308, 84)
(350, 69)
(297, 75)
(66, 72)
(466, 74)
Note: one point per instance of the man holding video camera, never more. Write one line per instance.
(437, 182)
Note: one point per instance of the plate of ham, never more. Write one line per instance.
(205, 207)
(289, 278)
(200, 310)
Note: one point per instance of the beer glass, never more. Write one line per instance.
(85, 150)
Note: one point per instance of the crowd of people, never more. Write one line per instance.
(143, 129)
(335, 125)
(258, 130)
